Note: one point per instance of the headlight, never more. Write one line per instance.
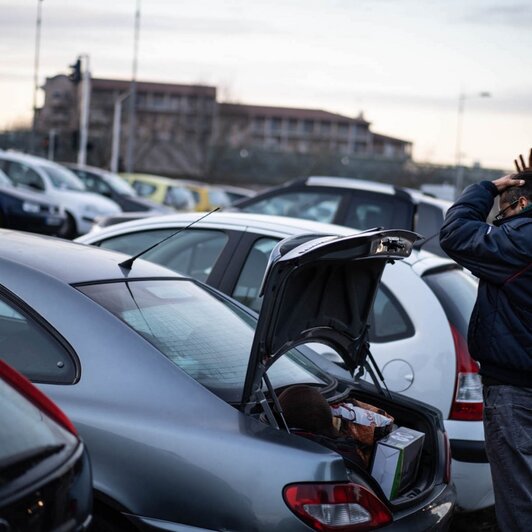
(28, 206)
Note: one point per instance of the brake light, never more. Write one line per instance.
(341, 507)
(467, 401)
(34, 395)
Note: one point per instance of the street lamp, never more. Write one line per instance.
(117, 117)
(36, 74)
(459, 178)
(130, 154)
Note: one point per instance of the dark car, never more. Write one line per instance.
(27, 211)
(114, 187)
(354, 203)
(45, 475)
(174, 386)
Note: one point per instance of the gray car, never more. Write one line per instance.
(174, 387)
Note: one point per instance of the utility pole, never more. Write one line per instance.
(130, 163)
(36, 75)
(85, 107)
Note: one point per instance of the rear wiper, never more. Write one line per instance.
(17, 464)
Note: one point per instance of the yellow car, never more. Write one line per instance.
(182, 195)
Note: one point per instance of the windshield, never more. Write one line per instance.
(208, 338)
(119, 184)
(62, 178)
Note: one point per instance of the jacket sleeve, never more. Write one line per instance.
(487, 251)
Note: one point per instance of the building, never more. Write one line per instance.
(181, 130)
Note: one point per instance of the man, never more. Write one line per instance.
(500, 329)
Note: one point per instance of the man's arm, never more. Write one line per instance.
(467, 238)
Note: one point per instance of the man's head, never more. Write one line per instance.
(514, 199)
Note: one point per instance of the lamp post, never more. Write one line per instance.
(117, 118)
(459, 177)
(130, 154)
(36, 74)
(85, 108)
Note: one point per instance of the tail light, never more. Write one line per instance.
(341, 507)
(467, 401)
(35, 396)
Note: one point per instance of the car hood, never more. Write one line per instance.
(320, 288)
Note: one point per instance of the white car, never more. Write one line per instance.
(59, 185)
(418, 324)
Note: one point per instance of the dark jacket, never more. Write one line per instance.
(500, 330)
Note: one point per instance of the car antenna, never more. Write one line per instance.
(128, 263)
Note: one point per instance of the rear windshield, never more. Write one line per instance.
(456, 290)
(208, 338)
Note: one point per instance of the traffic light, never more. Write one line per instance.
(75, 72)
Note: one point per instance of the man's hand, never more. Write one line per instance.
(523, 166)
(507, 181)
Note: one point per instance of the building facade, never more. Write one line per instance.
(181, 130)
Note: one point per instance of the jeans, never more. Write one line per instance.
(508, 435)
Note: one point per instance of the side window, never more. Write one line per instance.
(143, 189)
(28, 347)
(248, 285)
(429, 220)
(133, 243)
(179, 198)
(24, 175)
(94, 183)
(388, 320)
(367, 210)
(192, 253)
(318, 206)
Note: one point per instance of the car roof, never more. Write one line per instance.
(351, 182)
(260, 222)
(164, 179)
(68, 261)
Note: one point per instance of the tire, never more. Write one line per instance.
(68, 230)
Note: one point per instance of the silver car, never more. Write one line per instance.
(174, 387)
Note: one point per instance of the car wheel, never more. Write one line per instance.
(68, 229)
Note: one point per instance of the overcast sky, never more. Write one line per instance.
(402, 62)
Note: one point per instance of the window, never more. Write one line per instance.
(368, 210)
(144, 189)
(318, 206)
(308, 126)
(193, 252)
(179, 198)
(94, 183)
(388, 320)
(248, 285)
(22, 174)
(31, 349)
(429, 220)
(208, 337)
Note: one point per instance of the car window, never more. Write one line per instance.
(94, 183)
(249, 282)
(218, 198)
(388, 319)
(22, 174)
(318, 206)
(4, 180)
(193, 252)
(207, 337)
(179, 198)
(367, 210)
(456, 290)
(29, 348)
(429, 220)
(143, 189)
(62, 178)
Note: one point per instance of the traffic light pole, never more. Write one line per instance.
(85, 106)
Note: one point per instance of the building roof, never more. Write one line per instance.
(151, 86)
(287, 112)
(385, 138)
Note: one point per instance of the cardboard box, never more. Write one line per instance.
(396, 460)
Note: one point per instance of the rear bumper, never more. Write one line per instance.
(434, 516)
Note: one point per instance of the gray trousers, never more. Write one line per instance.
(508, 433)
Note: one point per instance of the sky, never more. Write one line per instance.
(403, 63)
